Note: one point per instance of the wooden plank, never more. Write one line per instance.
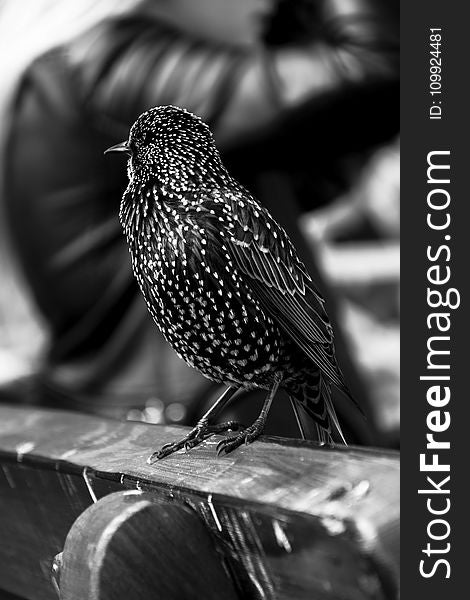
(128, 545)
(292, 520)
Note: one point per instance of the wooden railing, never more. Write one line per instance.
(82, 515)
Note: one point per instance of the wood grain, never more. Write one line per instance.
(290, 520)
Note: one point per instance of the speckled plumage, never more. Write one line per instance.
(221, 278)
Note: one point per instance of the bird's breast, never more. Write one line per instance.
(205, 311)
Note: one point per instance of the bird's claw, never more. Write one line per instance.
(195, 441)
(245, 436)
(197, 435)
(165, 450)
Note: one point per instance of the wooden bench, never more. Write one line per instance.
(83, 515)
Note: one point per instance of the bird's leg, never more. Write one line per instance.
(202, 430)
(251, 433)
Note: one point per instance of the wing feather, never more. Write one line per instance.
(282, 284)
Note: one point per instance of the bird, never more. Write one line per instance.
(223, 282)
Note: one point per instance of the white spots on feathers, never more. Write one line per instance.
(204, 252)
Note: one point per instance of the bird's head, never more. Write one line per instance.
(171, 147)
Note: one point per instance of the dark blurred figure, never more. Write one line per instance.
(297, 92)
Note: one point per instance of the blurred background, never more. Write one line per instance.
(302, 96)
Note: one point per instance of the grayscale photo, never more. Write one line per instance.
(199, 299)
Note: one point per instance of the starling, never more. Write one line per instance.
(222, 280)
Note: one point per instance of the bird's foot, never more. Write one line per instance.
(245, 436)
(197, 435)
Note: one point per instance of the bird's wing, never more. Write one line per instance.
(262, 250)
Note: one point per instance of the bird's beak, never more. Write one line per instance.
(122, 147)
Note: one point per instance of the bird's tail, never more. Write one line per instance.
(315, 414)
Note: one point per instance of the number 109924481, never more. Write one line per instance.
(435, 72)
